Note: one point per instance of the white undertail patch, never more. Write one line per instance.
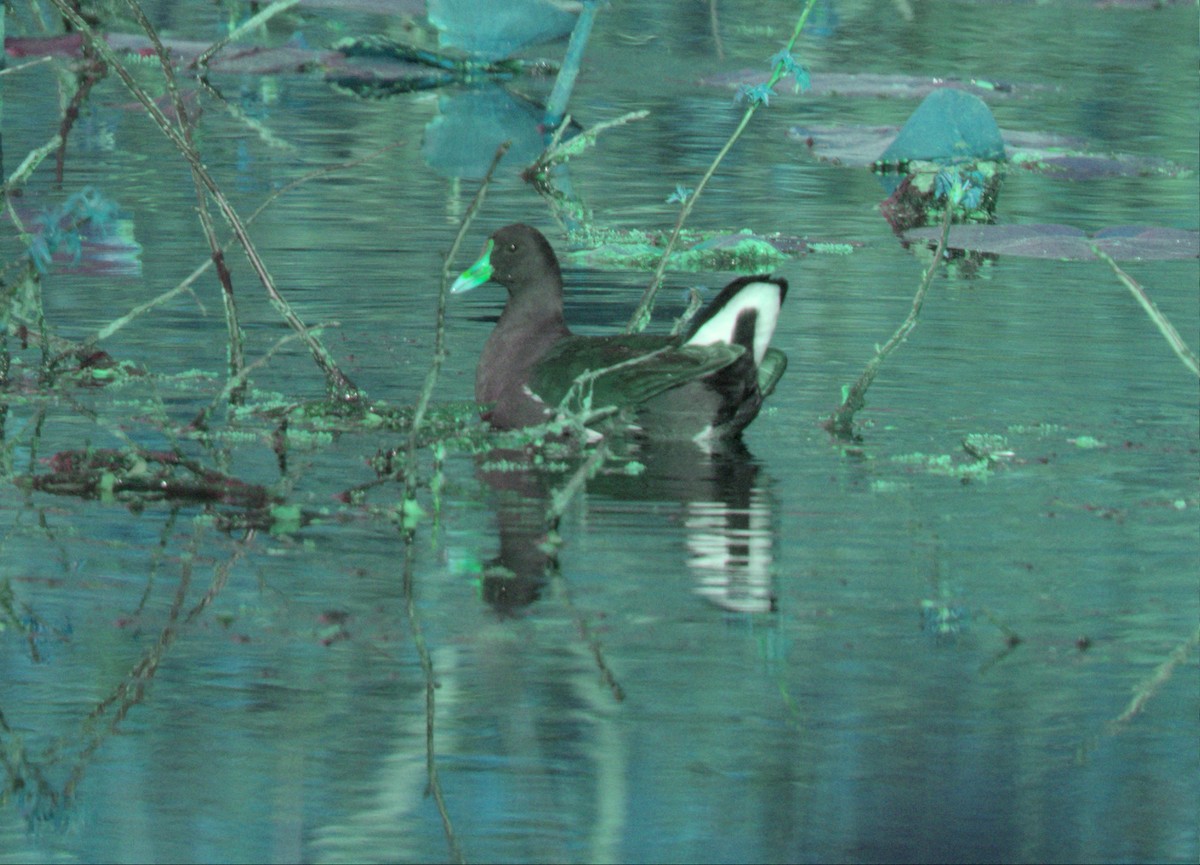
(761, 298)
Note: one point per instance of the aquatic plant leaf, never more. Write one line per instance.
(756, 94)
(461, 139)
(701, 252)
(948, 126)
(86, 233)
(1065, 242)
(495, 30)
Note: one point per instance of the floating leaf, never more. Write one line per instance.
(496, 30)
(1055, 155)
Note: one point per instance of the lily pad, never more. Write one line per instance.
(495, 30)
(1067, 243)
(862, 146)
(873, 86)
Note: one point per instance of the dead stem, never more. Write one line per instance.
(439, 344)
(132, 688)
(260, 129)
(187, 282)
(1177, 343)
(221, 575)
(557, 152)
(236, 355)
(8, 299)
(841, 422)
(28, 165)
(87, 78)
(253, 22)
(410, 495)
(23, 66)
(200, 421)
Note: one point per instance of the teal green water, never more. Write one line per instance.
(867, 653)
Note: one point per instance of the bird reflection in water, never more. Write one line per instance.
(726, 515)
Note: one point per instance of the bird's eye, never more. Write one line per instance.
(512, 247)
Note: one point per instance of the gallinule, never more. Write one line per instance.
(705, 383)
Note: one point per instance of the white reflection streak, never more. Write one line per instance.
(731, 553)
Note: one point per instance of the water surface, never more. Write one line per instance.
(867, 652)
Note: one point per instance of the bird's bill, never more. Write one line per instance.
(477, 274)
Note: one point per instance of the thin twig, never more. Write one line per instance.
(557, 152)
(439, 345)
(251, 23)
(11, 69)
(841, 422)
(237, 343)
(30, 163)
(339, 385)
(265, 135)
(200, 421)
(641, 315)
(410, 496)
(1177, 343)
(86, 79)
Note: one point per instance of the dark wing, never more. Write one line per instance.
(624, 371)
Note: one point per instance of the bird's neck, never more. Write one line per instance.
(528, 310)
(524, 333)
